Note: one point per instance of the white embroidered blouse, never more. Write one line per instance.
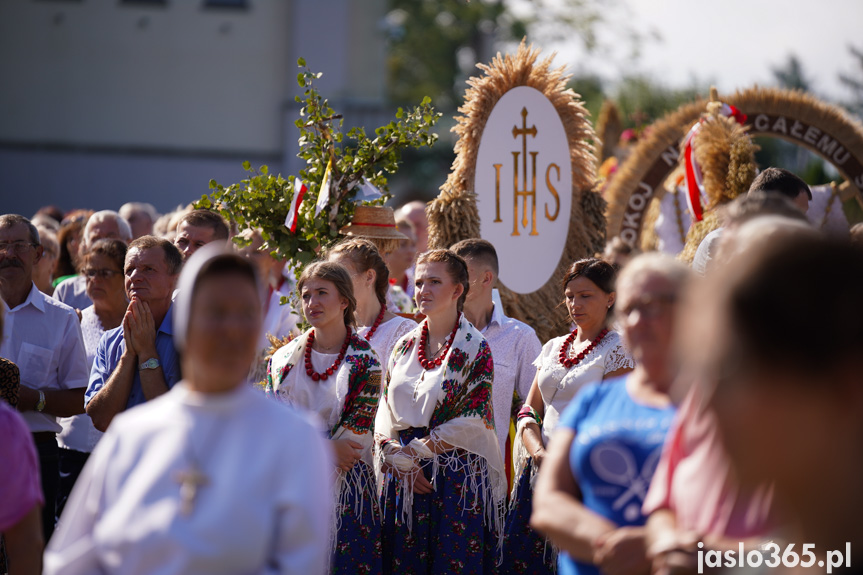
(558, 385)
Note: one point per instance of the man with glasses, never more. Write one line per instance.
(137, 361)
(43, 338)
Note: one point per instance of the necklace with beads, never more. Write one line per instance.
(421, 349)
(564, 350)
(374, 328)
(310, 371)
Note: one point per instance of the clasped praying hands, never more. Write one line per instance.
(139, 329)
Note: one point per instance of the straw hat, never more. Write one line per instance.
(377, 222)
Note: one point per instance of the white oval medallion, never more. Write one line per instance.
(524, 187)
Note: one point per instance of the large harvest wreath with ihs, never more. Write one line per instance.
(453, 216)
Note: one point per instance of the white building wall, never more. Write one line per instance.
(107, 101)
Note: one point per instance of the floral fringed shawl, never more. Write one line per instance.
(463, 418)
(358, 385)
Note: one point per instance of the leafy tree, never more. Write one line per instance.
(642, 101)
(791, 76)
(855, 84)
(435, 44)
(263, 200)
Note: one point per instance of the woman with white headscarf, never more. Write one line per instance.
(184, 483)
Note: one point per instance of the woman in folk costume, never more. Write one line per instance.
(334, 373)
(370, 277)
(184, 483)
(443, 477)
(591, 353)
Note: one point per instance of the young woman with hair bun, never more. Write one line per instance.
(442, 474)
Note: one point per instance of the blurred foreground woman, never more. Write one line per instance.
(603, 454)
(203, 479)
(786, 365)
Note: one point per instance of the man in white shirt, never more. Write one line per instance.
(514, 345)
(43, 337)
(106, 224)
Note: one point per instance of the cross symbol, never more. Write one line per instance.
(190, 480)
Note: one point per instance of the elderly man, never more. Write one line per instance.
(137, 361)
(198, 228)
(514, 345)
(101, 225)
(141, 217)
(415, 213)
(43, 337)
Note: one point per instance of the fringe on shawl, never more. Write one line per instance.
(478, 488)
(358, 485)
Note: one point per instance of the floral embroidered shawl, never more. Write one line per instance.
(358, 386)
(358, 389)
(463, 418)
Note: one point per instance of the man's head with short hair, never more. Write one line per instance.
(198, 228)
(415, 213)
(105, 225)
(482, 265)
(151, 269)
(20, 251)
(780, 181)
(759, 203)
(141, 217)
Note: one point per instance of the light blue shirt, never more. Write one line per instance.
(111, 348)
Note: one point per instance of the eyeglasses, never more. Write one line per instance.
(105, 274)
(18, 246)
(648, 307)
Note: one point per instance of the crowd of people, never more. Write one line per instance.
(164, 411)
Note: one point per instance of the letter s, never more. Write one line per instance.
(553, 191)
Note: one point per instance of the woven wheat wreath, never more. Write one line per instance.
(453, 215)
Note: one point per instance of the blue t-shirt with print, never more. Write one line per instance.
(616, 448)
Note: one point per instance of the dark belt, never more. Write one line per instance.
(44, 437)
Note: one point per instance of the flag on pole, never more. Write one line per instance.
(367, 192)
(299, 191)
(324, 192)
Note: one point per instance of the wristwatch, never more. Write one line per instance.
(151, 363)
(40, 405)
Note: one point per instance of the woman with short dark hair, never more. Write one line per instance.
(590, 353)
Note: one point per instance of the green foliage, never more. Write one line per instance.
(642, 100)
(854, 83)
(791, 76)
(263, 200)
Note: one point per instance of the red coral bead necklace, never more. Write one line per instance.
(310, 371)
(421, 349)
(380, 318)
(568, 362)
